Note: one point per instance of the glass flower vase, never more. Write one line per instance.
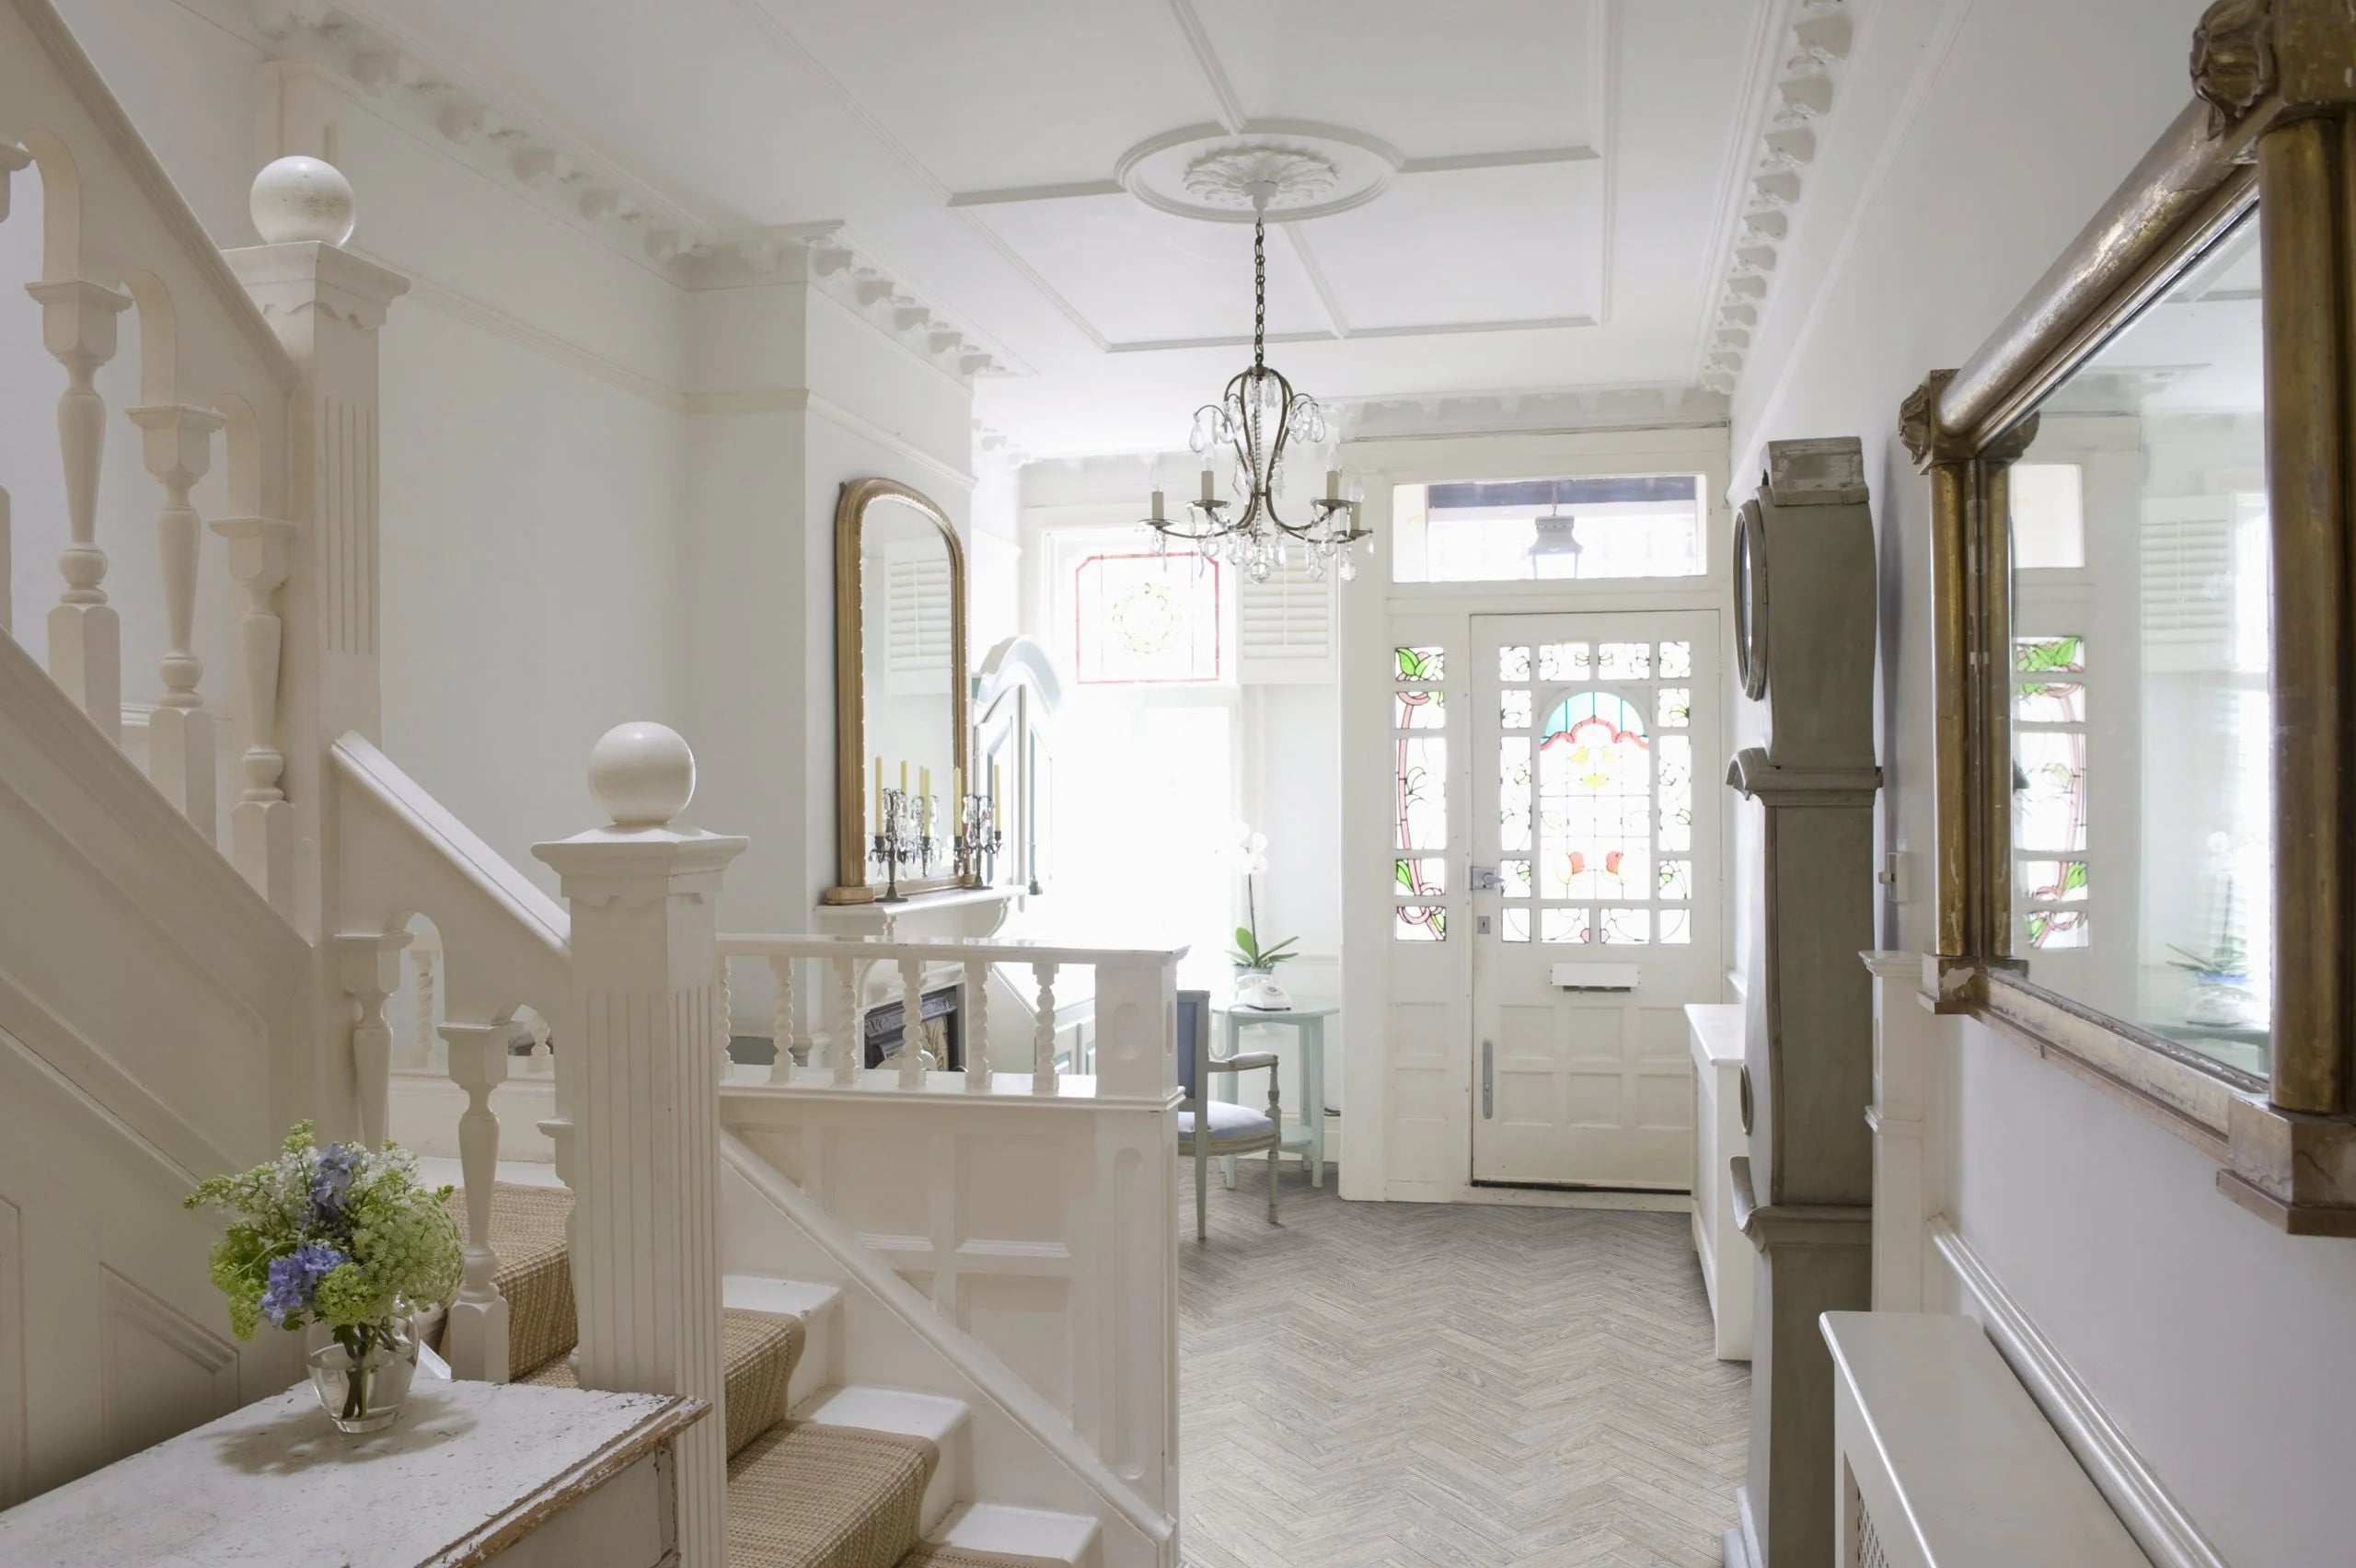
(363, 1375)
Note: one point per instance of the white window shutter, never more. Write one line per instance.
(916, 625)
(2187, 600)
(1285, 627)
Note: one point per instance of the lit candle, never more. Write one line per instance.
(904, 776)
(1209, 489)
(1333, 484)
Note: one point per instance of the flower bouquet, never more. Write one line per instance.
(344, 1237)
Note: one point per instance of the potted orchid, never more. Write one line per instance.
(343, 1237)
(1256, 961)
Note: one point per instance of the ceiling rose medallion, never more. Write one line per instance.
(1308, 170)
(1282, 176)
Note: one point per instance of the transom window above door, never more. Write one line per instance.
(1548, 530)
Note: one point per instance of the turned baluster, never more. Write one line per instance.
(851, 1043)
(261, 824)
(782, 1020)
(914, 1060)
(177, 446)
(85, 634)
(369, 965)
(423, 957)
(977, 1027)
(1043, 1040)
(475, 1340)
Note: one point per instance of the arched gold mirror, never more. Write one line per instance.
(900, 696)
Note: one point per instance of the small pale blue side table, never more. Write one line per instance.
(1307, 1021)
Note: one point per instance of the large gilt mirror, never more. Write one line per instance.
(2143, 491)
(2141, 869)
(900, 696)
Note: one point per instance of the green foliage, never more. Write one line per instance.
(1252, 955)
(2228, 960)
(2047, 653)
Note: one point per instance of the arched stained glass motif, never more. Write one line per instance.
(1595, 800)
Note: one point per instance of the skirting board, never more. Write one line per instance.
(2168, 1537)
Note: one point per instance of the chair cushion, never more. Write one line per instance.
(1227, 1122)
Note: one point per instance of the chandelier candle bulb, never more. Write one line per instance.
(1158, 515)
(1333, 484)
(1210, 489)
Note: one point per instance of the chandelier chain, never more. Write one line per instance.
(1259, 294)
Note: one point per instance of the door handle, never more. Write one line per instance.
(1488, 1082)
(1487, 879)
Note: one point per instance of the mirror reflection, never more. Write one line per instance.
(908, 677)
(2142, 871)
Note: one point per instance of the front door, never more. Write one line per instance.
(1596, 892)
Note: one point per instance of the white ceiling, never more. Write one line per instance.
(1559, 222)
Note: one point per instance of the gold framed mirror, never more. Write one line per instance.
(900, 695)
(2140, 492)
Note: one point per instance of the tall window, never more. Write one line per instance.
(1420, 791)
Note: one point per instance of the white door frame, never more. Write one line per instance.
(1407, 1117)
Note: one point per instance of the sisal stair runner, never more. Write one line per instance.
(800, 1494)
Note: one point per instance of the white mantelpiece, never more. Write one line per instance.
(472, 1473)
(966, 912)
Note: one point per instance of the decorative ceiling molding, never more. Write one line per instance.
(1805, 59)
(598, 198)
(1481, 413)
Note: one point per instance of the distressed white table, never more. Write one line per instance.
(471, 1473)
(1307, 1021)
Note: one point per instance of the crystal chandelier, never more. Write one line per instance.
(1259, 417)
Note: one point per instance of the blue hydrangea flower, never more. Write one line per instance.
(294, 1280)
(331, 1180)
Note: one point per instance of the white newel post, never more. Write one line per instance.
(312, 655)
(645, 1108)
(370, 966)
(475, 1341)
(77, 322)
(1137, 1187)
(177, 445)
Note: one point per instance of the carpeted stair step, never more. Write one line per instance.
(761, 1349)
(535, 1270)
(807, 1495)
(938, 1420)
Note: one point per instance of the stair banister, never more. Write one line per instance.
(643, 1099)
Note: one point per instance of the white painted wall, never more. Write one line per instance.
(534, 444)
(1973, 141)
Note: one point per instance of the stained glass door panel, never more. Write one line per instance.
(1596, 838)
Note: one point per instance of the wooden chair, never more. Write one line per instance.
(1210, 1129)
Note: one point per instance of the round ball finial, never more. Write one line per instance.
(643, 774)
(300, 199)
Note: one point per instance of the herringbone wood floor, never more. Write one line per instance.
(1413, 1384)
